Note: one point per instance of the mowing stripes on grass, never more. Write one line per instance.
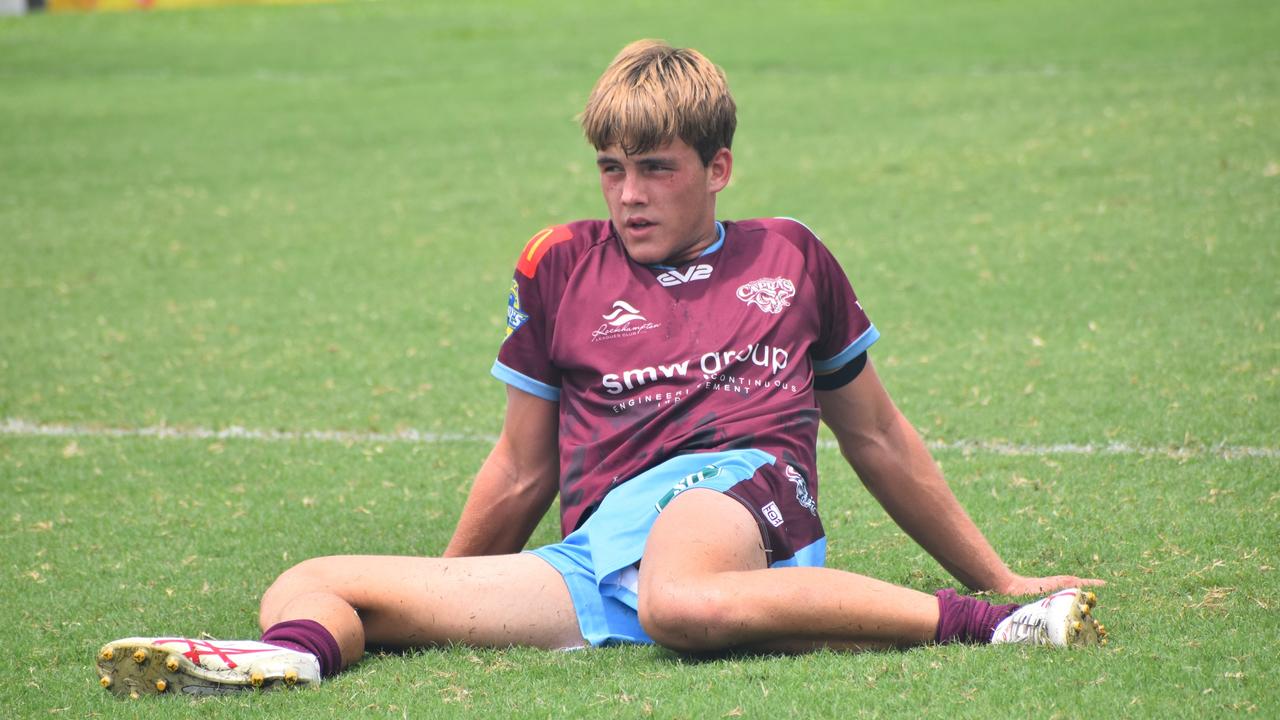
(25, 428)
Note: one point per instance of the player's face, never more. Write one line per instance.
(663, 202)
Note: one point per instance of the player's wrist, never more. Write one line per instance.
(1004, 582)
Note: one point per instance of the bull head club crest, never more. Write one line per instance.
(768, 294)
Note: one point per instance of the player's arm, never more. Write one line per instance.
(888, 455)
(516, 484)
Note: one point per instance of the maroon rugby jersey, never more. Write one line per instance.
(651, 362)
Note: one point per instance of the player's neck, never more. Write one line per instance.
(699, 247)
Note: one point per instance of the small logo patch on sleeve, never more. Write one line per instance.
(515, 317)
(538, 246)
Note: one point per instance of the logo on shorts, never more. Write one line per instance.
(803, 497)
(685, 483)
(772, 514)
(623, 320)
(768, 294)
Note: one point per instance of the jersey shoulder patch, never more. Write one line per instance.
(538, 246)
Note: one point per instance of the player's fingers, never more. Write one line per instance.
(1045, 585)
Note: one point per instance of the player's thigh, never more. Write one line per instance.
(699, 534)
(493, 601)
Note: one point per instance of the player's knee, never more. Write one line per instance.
(306, 573)
(305, 577)
(689, 619)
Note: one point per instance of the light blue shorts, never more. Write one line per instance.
(598, 560)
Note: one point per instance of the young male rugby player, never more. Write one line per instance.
(665, 375)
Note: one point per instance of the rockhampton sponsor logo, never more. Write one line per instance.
(623, 320)
(807, 501)
(743, 371)
(622, 314)
(671, 278)
(769, 294)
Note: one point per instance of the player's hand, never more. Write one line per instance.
(1019, 585)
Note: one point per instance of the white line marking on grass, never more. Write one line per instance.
(26, 428)
(994, 447)
(16, 426)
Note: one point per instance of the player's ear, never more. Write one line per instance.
(719, 170)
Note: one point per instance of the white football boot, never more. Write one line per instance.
(1063, 619)
(151, 666)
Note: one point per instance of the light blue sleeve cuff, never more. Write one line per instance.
(856, 348)
(520, 381)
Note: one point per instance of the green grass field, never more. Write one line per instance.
(1064, 218)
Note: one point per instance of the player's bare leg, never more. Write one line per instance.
(704, 586)
(325, 611)
(400, 602)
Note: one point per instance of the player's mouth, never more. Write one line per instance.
(639, 224)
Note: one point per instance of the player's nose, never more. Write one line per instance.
(632, 191)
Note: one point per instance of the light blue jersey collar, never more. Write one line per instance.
(709, 249)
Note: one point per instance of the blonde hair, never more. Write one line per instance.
(653, 93)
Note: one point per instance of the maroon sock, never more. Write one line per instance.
(967, 619)
(307, 636)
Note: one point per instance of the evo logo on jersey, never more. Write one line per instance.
(671, 278)
(685, 483)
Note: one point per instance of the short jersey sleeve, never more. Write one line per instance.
(845, 331)
(524, 360)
